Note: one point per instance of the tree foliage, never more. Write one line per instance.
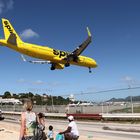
(38, 99)
(7, 94)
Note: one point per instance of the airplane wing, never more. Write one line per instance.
(74, 55)
(83, 46)
(35, 61)
(53, 65)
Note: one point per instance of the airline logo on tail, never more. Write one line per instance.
(8, 26)
(10, 34)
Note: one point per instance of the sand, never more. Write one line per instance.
(10, 131)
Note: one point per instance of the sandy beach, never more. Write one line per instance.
(10, 131)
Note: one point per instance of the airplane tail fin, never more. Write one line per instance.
(10, 34)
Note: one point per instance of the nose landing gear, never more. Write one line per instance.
(90, 70)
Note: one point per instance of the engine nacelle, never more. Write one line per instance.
(57, 66)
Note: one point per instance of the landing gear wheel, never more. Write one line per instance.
(90, 70)
(52, 67)
(67, 64)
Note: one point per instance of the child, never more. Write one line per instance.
(41, 120)
(50, 133)
(41, 127)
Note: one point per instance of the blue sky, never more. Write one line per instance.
(61, 24)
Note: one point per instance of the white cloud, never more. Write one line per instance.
(38, 82)
(6, 5)
(127, 78)
(21, 80)
(10, 4)
(130, 81)
(1, 6)
(28, 33)
(55, 84)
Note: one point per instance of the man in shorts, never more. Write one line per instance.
(72, 132)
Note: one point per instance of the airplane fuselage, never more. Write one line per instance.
(47, 53)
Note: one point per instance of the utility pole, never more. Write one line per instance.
(102, 107)
(132, 108)
(107, 108)
(52, 103)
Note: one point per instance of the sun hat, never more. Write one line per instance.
(70, 118)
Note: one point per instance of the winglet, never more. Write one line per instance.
(88, 31)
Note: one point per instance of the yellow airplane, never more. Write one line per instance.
(58, 59)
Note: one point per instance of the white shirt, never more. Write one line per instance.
(30, 123)
(74, 129)
(50, 134)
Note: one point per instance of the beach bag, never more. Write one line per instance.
(39, 133)
(60, 137)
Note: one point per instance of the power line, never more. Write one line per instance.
(103, 91)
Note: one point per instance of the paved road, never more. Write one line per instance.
(93, 130)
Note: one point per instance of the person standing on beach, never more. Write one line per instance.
(28, 122)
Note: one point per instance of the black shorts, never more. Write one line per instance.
(71, 135)
(28, 138)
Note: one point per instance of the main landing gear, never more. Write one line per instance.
(52, 67)
(67, 64)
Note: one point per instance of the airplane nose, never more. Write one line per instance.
(94, 64)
